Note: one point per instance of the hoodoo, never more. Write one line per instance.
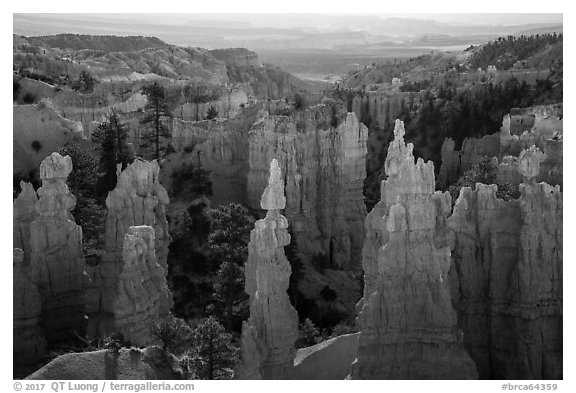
(142, 289)
(408, 325)
(507, 276)
(57, 259)
(29, 342)
(269, 335)
(138, 199)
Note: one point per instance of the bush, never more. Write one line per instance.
(174, 334)
(486, 172)
(308, 334)
(299, 102)
(37, 146)
(29, 98)
(16, 89)
(212, 113)
(191, 181)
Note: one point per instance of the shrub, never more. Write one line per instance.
(37, 146)
(29, 98)
(174, 334)
(212, 113)
(308, 334)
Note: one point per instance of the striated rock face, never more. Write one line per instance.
(138, 199)
(142, 291)
(29, 343)
(269, 335)
(544, 131)
(229, 105)
(324, 173)
(507, 277)
(42, 124)
(408, 325)
(57, 261)
(24, 208)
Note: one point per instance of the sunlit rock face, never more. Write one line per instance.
(57, 261)
(138, 199)
(268, 337)
(29, 343)
(507, 276)
(142, 291)
(407, 322)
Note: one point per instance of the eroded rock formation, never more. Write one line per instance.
(57, 260)
(408, 325)
(29, 343)
(142, 293)
(507, 276)
(545, 132)
(24, 208)
(39, 130)
(269, 335)
(138, 199)
(322, 152)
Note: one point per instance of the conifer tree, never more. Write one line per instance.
(156, 114)
(112, 136)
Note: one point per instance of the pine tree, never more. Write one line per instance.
(112, 136)
(212, 356)
(212, 113)
(156, 114)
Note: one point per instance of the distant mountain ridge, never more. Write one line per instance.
(106, 43)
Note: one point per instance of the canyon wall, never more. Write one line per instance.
(38, 130)
(269, 334)
(228, 106)
(324, 174)
(138, 199)
(545, 132)
(506, 277)
(57, 259)
(407, 322)
(142, 296)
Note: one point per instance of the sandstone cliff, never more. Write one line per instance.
(138, 199)
(57, 260)
(142, 292)
(269, 335)
(507, 277)
(407, 321)
(28, 341)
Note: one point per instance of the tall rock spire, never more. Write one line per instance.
(408, 325)
(268, 337)
(57, 260)
(138, 199)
